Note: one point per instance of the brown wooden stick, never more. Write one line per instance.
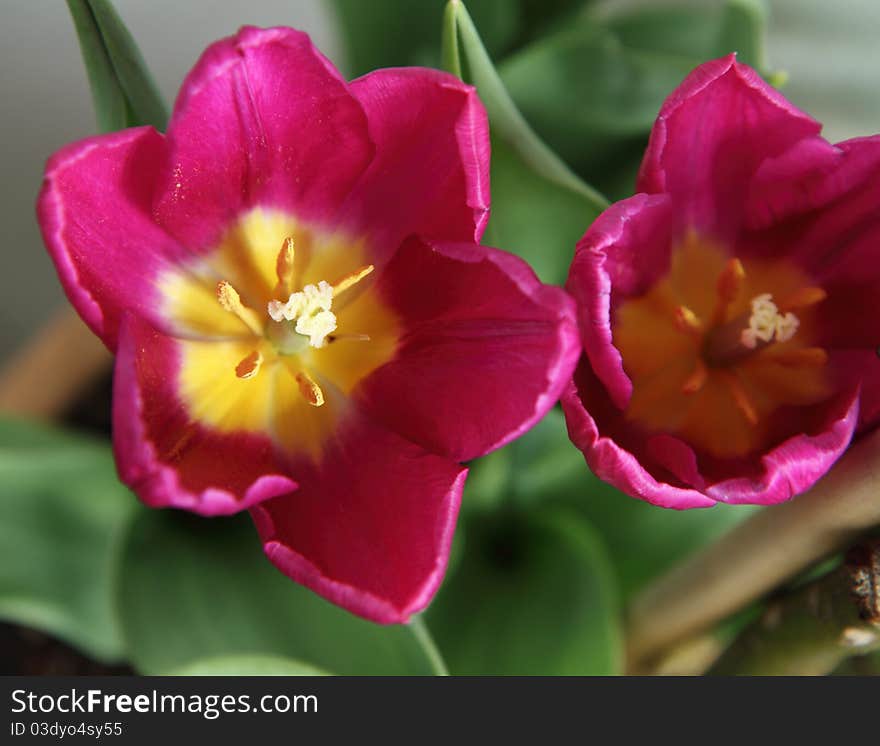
(757, 556)
(45, 377)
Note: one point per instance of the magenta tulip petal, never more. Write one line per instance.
(806, 176)
(370, 528)
(95, 214)
(860, 368)
(263, 119)
(628, 248)
(491, 343)
(169, 460)
(707, 168)
(613, 463)
(431, 172)
(809, 177)
(838, 244)
(664, 471)
(795, 465)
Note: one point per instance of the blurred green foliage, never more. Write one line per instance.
(390, 33)
(588, 76)
(63, 514)
(534, 593)
(192, 588)
(832, 53)
(247, 665)
(82, 559)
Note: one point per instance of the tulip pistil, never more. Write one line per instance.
(310, 309)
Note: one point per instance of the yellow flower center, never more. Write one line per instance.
(718, 345)
(276, 338)
(304, 318)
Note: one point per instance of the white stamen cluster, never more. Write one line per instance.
(310, 309)
(767, 323)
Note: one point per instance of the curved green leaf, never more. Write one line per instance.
(62, 516)
(507, 122)
(247, 665)
(194, 588)
(142, 95)
(123, 91)
(107, 94)
(534, 595)
(449, 52)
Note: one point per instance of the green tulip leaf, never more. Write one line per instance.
(141, 92)
(534, 594)
(247, 665)
(533, 216)
(506, 121)
(63, 515)
(194, 588)
(123, 91)
(107, 94)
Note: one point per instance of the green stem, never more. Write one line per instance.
(451, 59)
(438, 665)
(506, 120)
(813, 629)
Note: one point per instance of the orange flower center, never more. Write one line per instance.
(718, 345)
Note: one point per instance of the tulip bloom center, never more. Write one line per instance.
(720, 345)
(280, 323)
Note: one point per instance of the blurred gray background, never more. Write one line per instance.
(829, 50)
